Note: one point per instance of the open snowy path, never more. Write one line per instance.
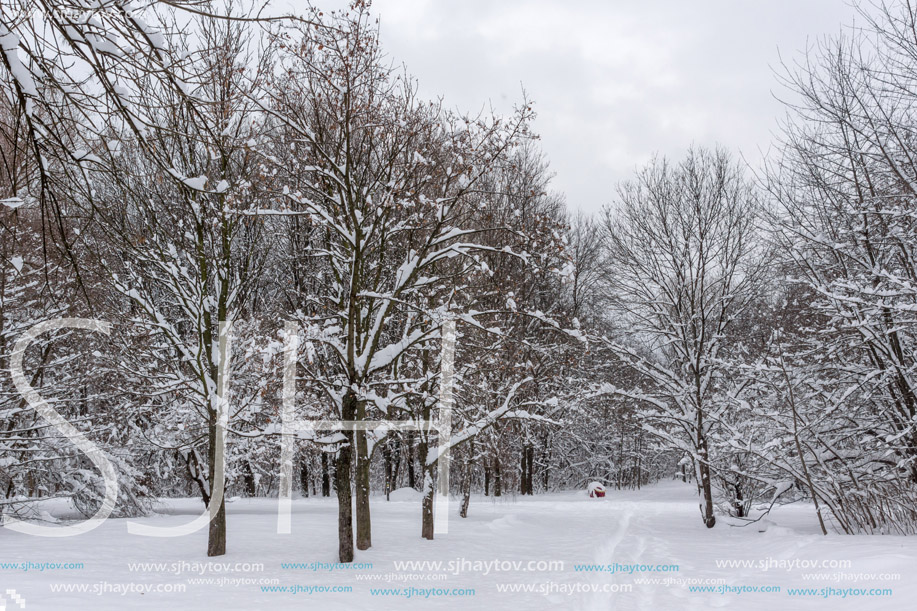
(632, 550)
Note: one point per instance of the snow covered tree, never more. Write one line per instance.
(36, 286)
(845, 184)
(682, 264)
(384, 183)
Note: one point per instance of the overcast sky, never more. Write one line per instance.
(615, 81)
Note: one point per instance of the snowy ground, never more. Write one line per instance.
(653, 527)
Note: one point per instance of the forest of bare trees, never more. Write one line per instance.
(201, 176)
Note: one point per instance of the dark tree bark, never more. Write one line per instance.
(216, 539)
(412, 479)
(248, 480)
(343, 480)
(704, 483)
(467, 473)
(326, 478)
(739, 502)
(428, 487)
(195, 471)
(304, 473)
(364, 523)
(387, 468)
(546, 461)
(429, 490)
(528, 469)
(396, 462)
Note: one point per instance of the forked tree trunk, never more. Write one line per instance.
(195, 471)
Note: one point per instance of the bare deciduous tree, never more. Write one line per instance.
(681, 266)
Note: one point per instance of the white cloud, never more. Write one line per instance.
(613, 81)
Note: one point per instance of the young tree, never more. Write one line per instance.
(682, 264)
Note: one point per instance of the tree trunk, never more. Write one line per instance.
(546, 461)
(342, 481)
(396, 462)
(304, 473)
(326, 478)
(364, 523)
(705, 484)
(193, 462)
(486, 478)
(412, 478)
(739, 502)
(429, 490)
(530, 470)
(639, 468)
(467, 469)
(498, 483)
(387, 468)
(248, 480)
(216, 538)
